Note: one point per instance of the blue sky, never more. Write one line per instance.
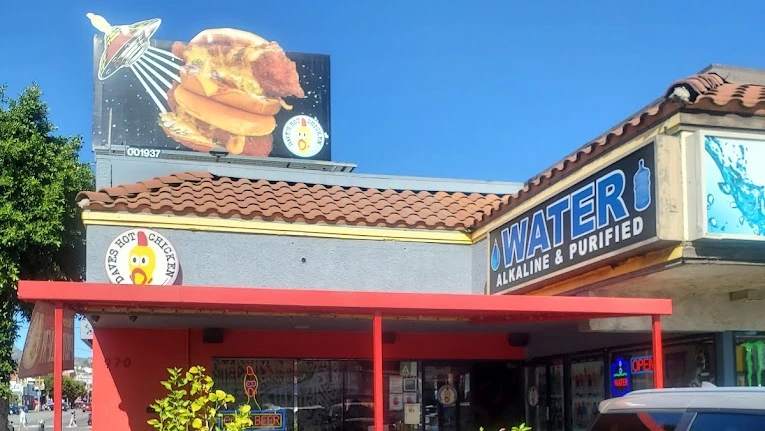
(497, 90)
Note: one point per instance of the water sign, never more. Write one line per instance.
(606, 212)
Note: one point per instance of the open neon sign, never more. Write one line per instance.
(641, 365)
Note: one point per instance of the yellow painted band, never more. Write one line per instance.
(620, 152)
(194, 223)
(629, 266)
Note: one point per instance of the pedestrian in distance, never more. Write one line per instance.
(73, 419)
(23, 420)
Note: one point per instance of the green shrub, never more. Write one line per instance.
(192, 404)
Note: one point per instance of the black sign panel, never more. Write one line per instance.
(610, 210)
(225, 90)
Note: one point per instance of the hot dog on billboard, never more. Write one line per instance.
(232, 85)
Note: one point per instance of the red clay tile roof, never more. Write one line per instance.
(707, 92)
(203, 194)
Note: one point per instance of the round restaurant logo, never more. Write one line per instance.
(143, 257)
(303, 136)
(447, 395)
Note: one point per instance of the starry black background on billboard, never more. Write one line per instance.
(134, 116)
(565, 251)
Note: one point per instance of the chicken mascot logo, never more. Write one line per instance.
(303, 136)
(141, 257)
(142, 261)
(251, 386)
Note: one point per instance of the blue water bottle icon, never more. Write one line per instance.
(642, 187)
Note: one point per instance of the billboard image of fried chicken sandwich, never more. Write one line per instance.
(225, 89)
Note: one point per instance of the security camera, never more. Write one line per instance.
(218, 152)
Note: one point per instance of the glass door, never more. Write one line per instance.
(536, 397)
(446, 398)
(556, 396)
(588, 389)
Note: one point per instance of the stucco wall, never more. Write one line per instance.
(480, 256)
(695, 309)
(241, 260)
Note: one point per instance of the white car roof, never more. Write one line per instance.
(687, 399)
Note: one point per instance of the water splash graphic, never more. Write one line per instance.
(748, 198)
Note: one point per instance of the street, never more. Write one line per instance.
(33, 420)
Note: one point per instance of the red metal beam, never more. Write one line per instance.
(377, 369)
(658, 354)
(340, 302)
(535, 317)
(58, 366)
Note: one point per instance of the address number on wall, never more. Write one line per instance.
(117, 362)
(143, 152)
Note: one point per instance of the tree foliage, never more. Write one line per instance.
(192, 404)
(41, 234)
(71, 389)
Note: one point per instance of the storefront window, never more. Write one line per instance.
(323, 395)
(320, 395)
(687, 363)
(266, 385)
(750, 359)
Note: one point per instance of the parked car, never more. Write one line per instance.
(15, 410)
(688, 409)
(86, 407)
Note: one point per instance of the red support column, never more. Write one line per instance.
(377, 357)
(658, 354)
(58, 367)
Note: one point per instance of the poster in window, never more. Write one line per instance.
(396, 385)
(396, 402)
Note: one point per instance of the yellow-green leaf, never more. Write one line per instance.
(197, 423)
(245, 408)
(212, 397)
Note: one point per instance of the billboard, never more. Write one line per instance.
(600, 216)
(225, 91)
(38, 355)
(733, 187)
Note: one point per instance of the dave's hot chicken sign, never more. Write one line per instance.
(224, 90)
(142, 257)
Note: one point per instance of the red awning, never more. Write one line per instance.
(83, 296)
(256, 299)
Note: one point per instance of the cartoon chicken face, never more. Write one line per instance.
(142, 261)
(304, 136)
